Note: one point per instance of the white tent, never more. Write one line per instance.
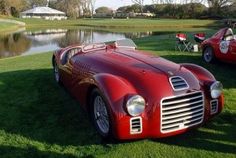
(44, 13)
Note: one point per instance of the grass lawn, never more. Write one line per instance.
(40, 119)
(4, 26)
(118, 24)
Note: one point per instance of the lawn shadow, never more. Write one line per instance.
(218, 136)
(34, 106)
(29, 152)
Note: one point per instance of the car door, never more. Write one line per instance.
(232, 50)
(80, 75)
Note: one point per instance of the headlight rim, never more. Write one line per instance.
(212, 87)
(128, 104)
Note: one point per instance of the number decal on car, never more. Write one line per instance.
(224, 47)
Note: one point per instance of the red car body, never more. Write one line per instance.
(222, 46)
(120, 72)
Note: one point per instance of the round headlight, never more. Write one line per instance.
(135, 105)
(216, 89)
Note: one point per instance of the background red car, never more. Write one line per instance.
(131, 94)
(220, 46)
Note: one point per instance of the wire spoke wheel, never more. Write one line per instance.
(56, 72)
(101, 115)
(208, 55)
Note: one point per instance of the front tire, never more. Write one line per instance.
(208, 55)
(100, 114)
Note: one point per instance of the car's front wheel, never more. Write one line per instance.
(208, 55)
(100, 113)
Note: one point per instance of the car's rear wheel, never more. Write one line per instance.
(208, 55)
(56, 71)
(100, 113)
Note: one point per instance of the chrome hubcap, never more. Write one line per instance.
(56, 73)
(101, 115)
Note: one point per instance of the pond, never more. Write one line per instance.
(32, 42)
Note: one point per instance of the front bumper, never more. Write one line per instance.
(150, 124)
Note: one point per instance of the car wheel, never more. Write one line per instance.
(208, 55)
(56, 71)
(100, 113)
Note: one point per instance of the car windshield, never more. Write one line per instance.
(95, 46)
(126, 43)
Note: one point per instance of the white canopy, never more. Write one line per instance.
(43, 10)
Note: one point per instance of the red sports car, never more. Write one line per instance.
(220, 46)
(131, 94)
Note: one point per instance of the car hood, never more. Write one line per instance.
(140, 68)
(148, 60)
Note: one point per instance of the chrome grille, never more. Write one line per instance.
(136, 125)
(214, 106)
(179, 112)
(178, 83)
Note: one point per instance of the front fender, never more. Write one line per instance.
(206, 79)
(201, 73)
(115, 89)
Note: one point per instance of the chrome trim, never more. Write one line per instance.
(136, 129)
(178, 78)
(217, 105)
(181, 114)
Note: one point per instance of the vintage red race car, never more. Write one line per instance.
(132, 94)
(221, 46)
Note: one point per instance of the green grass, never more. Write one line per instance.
(124, 24)
(4, 26)
(40, 119)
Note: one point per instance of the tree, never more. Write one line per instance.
(70, 7)
(4, 7)
(215, 6)
(105, 10)
(12, 7)
(92, 6)
(140, 3)
(34, 3)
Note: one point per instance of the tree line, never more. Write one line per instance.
(187, 8)
(162, 8)
(73, 8)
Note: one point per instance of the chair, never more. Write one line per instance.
(199, 37)
(182, 44)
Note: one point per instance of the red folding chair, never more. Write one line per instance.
(199, 37)
(182, 44)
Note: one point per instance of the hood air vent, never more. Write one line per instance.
(178, 83)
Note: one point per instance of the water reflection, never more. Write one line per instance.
(14, 44)
(32, 42)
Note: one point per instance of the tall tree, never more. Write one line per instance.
(4, 7)
(70, 7)
(34, 3)
(140, 3)
(215, 6)
(12, 7)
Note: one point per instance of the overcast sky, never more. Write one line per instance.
(114, 4)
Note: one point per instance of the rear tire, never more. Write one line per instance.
(56, 72)
(100, 114)
(208, 55)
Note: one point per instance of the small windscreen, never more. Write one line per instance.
(127, 43)
(95, 46)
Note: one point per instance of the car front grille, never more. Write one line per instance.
(178, 83)
(179, 112)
